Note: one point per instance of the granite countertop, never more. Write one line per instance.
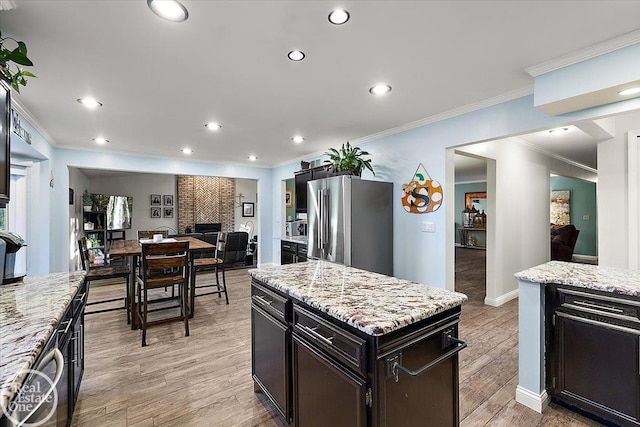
(296, 239)
(373, 303)
(29, 312)
(608, 279)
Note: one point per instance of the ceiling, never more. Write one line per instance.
(160, 82)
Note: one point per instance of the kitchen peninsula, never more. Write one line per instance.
(40, 315)
(335, 345)
(579, 339)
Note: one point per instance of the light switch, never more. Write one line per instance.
(586, 217)
(428, 227)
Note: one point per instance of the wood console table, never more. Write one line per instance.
(464, 233)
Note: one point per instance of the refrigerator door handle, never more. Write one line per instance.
(325, 219)
(319, 219)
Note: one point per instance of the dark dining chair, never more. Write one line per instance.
(231, 251)
(163, 265)
(105, 272)
(148, 234)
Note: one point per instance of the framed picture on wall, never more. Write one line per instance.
(156, 200)
(156, 212)
(168, 212)
(288, 199)
(247, 208)
(168, 200)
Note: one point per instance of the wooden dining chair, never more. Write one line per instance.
(230, 251)
(148, 234)
(163, 265)
(97, 273)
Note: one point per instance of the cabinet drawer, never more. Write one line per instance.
(288, 246)
(302, 249)
(608, 306)
(270, 301)
(342, 345)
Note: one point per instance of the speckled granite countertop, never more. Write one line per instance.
(373, 303)
(615, 280)
(29, 312)
(296, 239)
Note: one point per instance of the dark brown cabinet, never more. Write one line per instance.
(340, 376)
(270, 349)
(291, 252)
(301, 178)
(593, 342)
(321, 383)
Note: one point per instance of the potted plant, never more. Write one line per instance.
(87, 203)
(17, 56)
(348, 159)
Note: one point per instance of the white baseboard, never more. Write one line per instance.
(537, 402)
(502, 299)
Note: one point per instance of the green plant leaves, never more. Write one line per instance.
(349, 158)
(16, 56)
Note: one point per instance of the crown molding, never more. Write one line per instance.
(552, 155)
(508, 96)
(590, 52)
(20, 108)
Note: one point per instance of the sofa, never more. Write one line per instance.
(563, 241)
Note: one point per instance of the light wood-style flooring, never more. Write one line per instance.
(205, 379)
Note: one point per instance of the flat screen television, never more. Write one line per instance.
(5, 142)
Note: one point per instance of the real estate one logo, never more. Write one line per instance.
(34, 403)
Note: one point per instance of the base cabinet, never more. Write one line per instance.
(321, 383)
(340, 376)
(593, 353)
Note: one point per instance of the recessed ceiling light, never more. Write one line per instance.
(297, 139)
(630, 91)
(171, 10)
(213, 126)
(187, 150)
(100, 140)
(380, 89)
(89, 103)
(558, 131)
(296, 55)
(339, 16)
(253, 158)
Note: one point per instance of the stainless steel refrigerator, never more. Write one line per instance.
(350, 222)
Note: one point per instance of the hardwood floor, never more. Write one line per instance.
(205, 379)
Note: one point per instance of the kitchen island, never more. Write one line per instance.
(579, 339)
(335, 345)
(32, 313)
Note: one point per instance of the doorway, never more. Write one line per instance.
(470, 213)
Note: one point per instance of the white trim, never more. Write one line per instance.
(502, 299)
(590, 52)
(15, 103)
(552, 155)
(537, 402)
(478, 181)
(508, 96)
(633, 189)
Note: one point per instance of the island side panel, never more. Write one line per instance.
(531, 390)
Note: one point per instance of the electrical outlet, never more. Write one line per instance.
(428, 227)
(586, 217)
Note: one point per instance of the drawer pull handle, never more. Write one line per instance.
(598, 323)
(313, 333)
(394, 366)
(599, 307)
(261, 300)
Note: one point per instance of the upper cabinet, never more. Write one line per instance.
(302, 177)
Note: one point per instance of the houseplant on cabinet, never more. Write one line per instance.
(17, 56)
(348, 159)
(87, 202)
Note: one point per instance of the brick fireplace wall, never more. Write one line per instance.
(205, 199)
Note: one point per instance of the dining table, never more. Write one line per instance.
(132, 249)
